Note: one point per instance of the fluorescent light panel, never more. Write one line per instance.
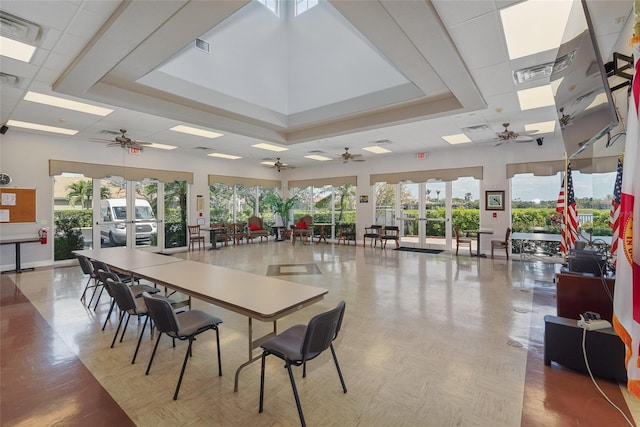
(459, 138)
(55, 101)
(45, 128)
(16, 50)
(376, 149)
(160, 146)
(224, 156)
(269, 147)
(541, 127)
(536, 97)
(317, 157)
(195, 131)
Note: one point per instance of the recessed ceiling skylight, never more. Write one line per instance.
(224, 156)
(45, 128)
(55, 101)
(459, 138)
(376, 149)
(524, 37)
(16, 50)
(196, 131)
(318, 157)
(536, 97)
(269, 147)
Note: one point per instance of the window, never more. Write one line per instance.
(272, 5)
(304, 5)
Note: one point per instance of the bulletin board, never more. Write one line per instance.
(17, 205)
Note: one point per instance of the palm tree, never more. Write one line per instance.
(82, 192)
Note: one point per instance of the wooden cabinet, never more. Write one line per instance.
(577, 293)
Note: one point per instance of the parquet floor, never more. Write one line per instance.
(425, 342)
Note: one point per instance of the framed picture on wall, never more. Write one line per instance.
(494, 200)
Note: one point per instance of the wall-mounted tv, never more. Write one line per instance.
(583, 98)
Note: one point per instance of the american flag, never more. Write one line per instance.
(615, 211)
(570, 217)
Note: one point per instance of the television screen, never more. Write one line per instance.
(583, 98)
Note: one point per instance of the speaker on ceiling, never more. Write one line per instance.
(4, 129)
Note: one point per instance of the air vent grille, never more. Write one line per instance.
(8, 79)
(202, 45)
(17, 28)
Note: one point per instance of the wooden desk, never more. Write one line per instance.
(263, 298)
(577, 293)
(17, 243)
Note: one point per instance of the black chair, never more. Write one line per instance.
(183, 326)
(301, 343)
(373, 233)
(136, 289)
(87, 268)
(390, 232)
(129, 306)
(122, 277)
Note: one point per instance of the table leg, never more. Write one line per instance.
(252, 346)
(214, 244)
(18, 268)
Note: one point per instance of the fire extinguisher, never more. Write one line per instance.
(43, 235)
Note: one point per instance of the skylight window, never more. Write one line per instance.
(304, 5)
(272, 5)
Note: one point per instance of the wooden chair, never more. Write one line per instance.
(346, 232)
(255, 228)
(502, 244)
(389, 232)
(461, 240)
(195, 236)
(236, 232)
(303, 228)
(373, 233)
(222, 235)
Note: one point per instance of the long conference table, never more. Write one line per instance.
(263, 298)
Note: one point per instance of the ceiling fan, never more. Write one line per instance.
(509, 135)
(281, 166)
(348, 157)
(123, 141)
(565, 119)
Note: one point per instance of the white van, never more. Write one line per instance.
(114, 214)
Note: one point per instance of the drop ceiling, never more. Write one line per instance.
(343, 74)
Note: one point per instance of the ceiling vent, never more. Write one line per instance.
(108, 132)
(18, 29)
(203, 46)
(382, 142)
(201, 148)
(9, 79)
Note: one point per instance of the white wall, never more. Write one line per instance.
(25, 157)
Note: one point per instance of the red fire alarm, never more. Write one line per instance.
(421, 156)
(495, 214)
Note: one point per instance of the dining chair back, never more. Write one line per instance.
(461, 241)
(373, 233)
(195, 237)
(302, 343)
(87, 269)
(183, 326)
(502, 244)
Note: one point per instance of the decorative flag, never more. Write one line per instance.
(614, 216)
(569, 233)
(626, 300)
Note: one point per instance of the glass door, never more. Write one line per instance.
(433, 230)
(127, 215)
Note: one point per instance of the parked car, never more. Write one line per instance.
(114, 215)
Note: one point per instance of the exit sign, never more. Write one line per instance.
(421, 156)
(135, 150)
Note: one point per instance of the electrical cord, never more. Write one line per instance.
(586, 362)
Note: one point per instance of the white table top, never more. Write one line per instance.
(126, 259)
(259, 297)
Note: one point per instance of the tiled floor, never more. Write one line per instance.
(425, 342)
